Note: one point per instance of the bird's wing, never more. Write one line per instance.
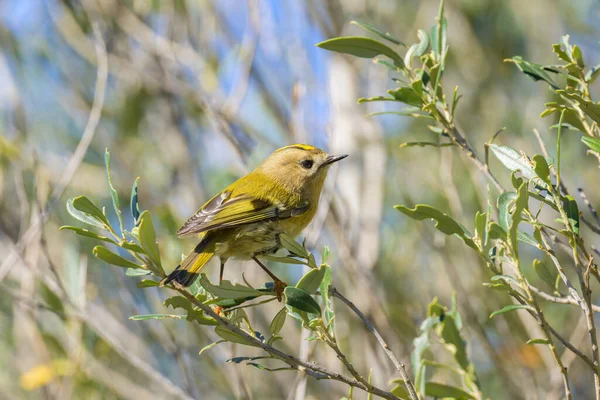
(224, 211)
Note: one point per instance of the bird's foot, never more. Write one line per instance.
(279, 288)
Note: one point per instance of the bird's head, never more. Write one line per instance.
(299, 166)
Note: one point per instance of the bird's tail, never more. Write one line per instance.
(186, 273)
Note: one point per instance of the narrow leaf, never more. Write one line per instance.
(133, 202)
(361, 47)
(372, 29)
(278, 321)
(511, 308)
(227, 290)
(443, 222)
(109, 257)
(113, 193)
(84, 210)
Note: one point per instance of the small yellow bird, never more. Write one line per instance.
(244, 221)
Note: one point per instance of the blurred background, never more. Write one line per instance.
(190, 95)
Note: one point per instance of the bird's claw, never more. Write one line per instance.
(279, 288)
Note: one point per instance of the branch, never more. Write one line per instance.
(315, 370)
(399, 365)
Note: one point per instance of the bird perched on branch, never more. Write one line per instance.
(244, 221)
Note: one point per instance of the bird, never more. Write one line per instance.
(244, 221)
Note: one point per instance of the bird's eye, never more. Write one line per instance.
(307, 164)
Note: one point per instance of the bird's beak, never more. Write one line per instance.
(332, 159)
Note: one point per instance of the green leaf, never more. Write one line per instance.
(541, 168)
(592, 74)
(301, 300)
(145, 283)
(210, 346)
(560, 53)
(113, 193)
(400, 391)
(147, 237)
(438, 390)
(496, 231)
(538, 341)
(88, 233)
(417, 49)
(572, 211)
(312, 280)
(481, 222)
(144, 317)
(504, 201)
(543, 272)
(376, 98)
(591, 109)
(407, 95)
(109, 257)
(292, 246)
(324, 289)
(577, 56)
(278, 321)
(423, 44)
(137, 272)
(232, 337)
(513, 160)
(133, 202)
(521, 204)
(451, 335)
(534, 71)
(86, 211)
(361, 47)
(425, 144)
(506, 278)
(592, 143)
(193, 314)
(227, 290)
(285, 260)
(444, 223)
(372, 29)
(512, 307)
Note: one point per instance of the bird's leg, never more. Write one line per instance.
(279, 284)
(221, 272)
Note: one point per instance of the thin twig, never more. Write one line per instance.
(399, 365)
(309, 368)
(592, 210)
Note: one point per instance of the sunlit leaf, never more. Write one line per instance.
(227, 290)
(147, 237)
(372, 29)
(513, 160)
(144, 317)
(88, 233)
(113, 193)
(292, 246)
(438, 390)
(592, 143)
(444, 223)
(278, 321)
(84, 210)
(192, 313)
(538, 341)
(109, 257)
(361, 47)
(312, 280)
(512, 307)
